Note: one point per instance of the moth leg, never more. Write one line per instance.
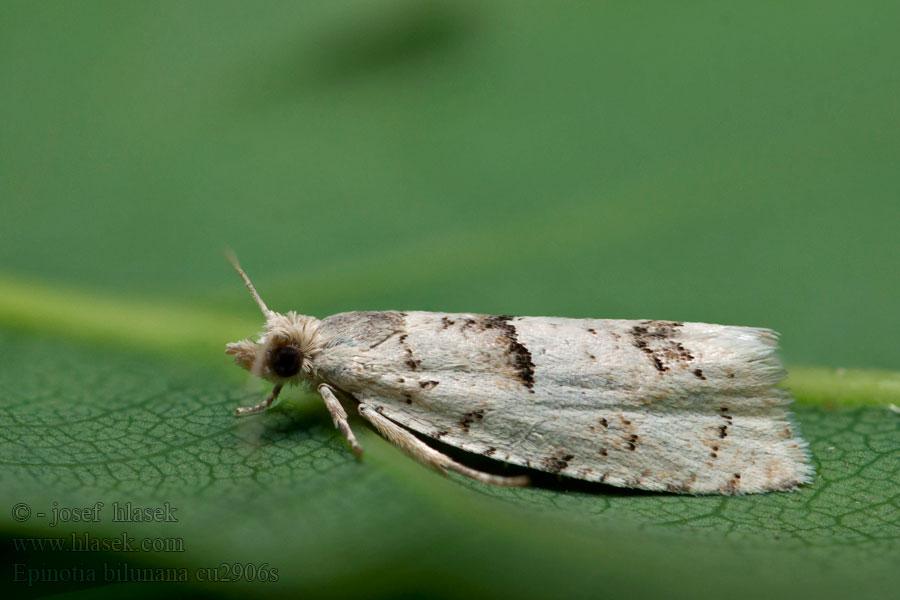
(427, 455)
(249, 410)
(339, 416)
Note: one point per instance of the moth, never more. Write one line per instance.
(656, 405)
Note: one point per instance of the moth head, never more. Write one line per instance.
(284, 352)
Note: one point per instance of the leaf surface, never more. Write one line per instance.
(83, 425)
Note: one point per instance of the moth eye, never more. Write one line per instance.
(286, 361)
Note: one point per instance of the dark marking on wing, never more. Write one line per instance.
(410, 361)
(656, 340)
(699, 373)
(504, 334)
(439, 434)
(427, 385)
(632, 441)
(730, 487)
(603, 452)
(518, 353)
(684, 486)
(555, 464)
(466, 324)
(604, 422)
(723, 429)
(490, 451)
(594, 331)
(470, 417)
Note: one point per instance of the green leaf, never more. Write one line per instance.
(83, 425)
(706, 162)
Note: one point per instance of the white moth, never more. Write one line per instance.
(656, 405)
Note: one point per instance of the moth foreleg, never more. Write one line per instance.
(427, 455)
(249, 410)
(339, 416)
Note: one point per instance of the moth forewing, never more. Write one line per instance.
(658, 405)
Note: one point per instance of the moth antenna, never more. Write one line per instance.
(232, 258)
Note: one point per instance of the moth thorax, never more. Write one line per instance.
(286, 361)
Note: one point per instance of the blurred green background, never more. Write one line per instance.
(725, 162)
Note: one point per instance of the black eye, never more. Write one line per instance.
(286, 361)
